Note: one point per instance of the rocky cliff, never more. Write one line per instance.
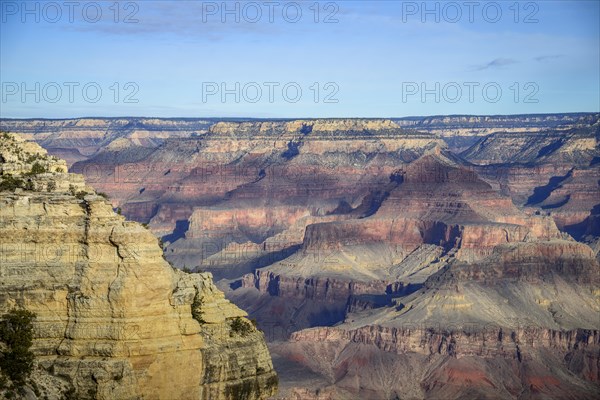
(159, 170)
(411, 362)
(522, 323)
(114, 319)
(435, 211)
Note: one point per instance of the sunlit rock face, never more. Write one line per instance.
(114, 319)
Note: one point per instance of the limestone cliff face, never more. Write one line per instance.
(114, 320)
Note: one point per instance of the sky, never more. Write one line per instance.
(302, 59)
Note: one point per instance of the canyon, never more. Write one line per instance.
(113, 318)
(418, 257)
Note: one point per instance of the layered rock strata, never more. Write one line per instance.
(114, 319)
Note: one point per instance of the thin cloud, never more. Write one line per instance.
(496, 63)
(192, 20)
(548, 57)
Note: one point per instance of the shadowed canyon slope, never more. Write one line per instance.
(426, 257)
(114, 319)
(520, 323)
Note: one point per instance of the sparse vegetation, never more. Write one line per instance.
(240, 326)
(80, 195)
(51, 186)
(16, 333)
(37, 169)
(102, 194)
(10, 183)
(197, 312)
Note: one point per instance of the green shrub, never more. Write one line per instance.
(240, 326)
(51, 186)
(32, 158)
(197, 312)
(37, 168)
(10, 183)
(16, 331)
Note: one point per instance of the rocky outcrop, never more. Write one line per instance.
(114, 319)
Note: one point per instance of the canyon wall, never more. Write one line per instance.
(114, 319)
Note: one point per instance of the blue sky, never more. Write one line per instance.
(352, 59)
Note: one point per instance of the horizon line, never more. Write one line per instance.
(300, 118)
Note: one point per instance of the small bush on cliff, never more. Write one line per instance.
(240, 326)
(51, 186)
(37, 168)
(10, 183)
(197, 312)
(32, 157)
(16, 332)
